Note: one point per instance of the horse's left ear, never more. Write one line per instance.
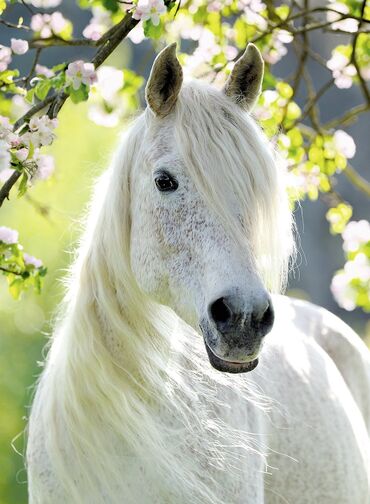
(164, 82)
(245, 81)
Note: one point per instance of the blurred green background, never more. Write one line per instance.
(81, 152)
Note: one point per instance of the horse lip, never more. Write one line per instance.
(225, 365)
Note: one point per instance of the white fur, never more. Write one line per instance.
(128, 409)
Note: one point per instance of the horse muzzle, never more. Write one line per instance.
(233, 336)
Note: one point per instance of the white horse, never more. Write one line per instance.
(188, 231)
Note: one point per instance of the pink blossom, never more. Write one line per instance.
(5, 57)
(19, 46)
(80, 72)
(345, 144)
(7, 235)
(48, 24)
(150, 9)
(44, 71)
(31, 261)
(99, 23)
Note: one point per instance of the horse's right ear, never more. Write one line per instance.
(245, 81)
(164, 82)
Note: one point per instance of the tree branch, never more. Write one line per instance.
(56, 41)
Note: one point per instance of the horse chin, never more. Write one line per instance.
(229, 366)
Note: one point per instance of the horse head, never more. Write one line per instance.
(204, 184)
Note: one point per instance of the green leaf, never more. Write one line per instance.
(152, 31)
(16, 287)
(111, 5)
(30, 95)
(42, 89)
(282, 11)
(22, 189)
(78, 95)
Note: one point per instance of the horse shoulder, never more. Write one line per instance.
(318, 440)
(342, 344)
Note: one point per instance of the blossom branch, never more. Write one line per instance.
(56, 102)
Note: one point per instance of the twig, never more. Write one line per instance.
(30, 73)
(13, 25)
(28, 7)
(348, 117)
(315, 98)
(357, 180)
(10, 271)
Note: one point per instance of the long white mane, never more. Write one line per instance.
(122, 367)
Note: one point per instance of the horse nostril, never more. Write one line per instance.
(220, 312)
(267, 320)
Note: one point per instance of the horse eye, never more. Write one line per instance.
(165, 182)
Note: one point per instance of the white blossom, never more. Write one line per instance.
(343, 72)
(48, 24)
(4, 156)
(355, 234)
(359, 268)
(44, 4)
(149, 9)
(344, 294)
(8, 236)
(5, 57)
(137, 34)
(348, 24)
(79, 72)
(45, 167)
(22, 154)
(19, 46)
(109, 83)
(345, 144)
(19, 106)
(41, 131)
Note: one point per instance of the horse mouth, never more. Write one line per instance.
(229, 366)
